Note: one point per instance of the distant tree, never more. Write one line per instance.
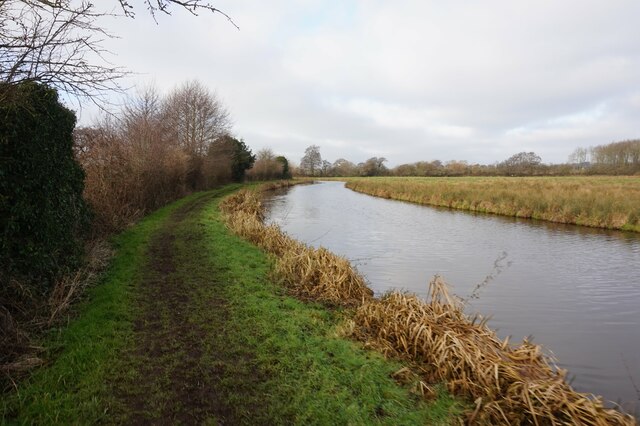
(579, 156)
(286, 173)
(241, 157)
(142, 120)
(217, 166)
(617, 157)
(326, 168)
(526, 158)
(150, 143)
(433, 168)
(404, 170)
(456, 168)
(311, 163)
(523, 163)
(374, 166)
(342, 167)
(196, 117)
(266, 166)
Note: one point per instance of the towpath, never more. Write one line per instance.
(180, 367)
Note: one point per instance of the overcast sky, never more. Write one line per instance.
(406, 80)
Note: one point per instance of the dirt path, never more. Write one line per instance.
(178, 357)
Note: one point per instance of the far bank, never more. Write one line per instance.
(611, 202)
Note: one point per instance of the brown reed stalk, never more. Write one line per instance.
(514, 384)
(311, 273)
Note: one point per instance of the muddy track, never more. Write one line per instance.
(174, 369)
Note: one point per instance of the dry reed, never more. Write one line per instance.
(509, 384)
(310, 273)
(71, 287)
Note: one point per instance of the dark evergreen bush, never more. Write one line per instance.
(42, 213)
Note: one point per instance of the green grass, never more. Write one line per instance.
(314, 376)
(280, 360)
(74, 384)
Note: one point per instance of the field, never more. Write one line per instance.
(601, 202)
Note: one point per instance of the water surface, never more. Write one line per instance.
(576, 290)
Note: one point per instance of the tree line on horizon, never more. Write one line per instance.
(617, 158)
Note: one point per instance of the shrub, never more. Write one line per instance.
(42, 213)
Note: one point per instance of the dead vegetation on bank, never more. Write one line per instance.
(309, 273)
(509, 384)
(594, 201)
(25, 313)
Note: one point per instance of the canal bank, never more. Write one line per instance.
(570, 287)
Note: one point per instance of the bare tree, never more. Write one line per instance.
(343, 167)
(311, 162)
(266, 166)
(58, 43)
(153, 6)
(522, 163)
(141, 117)
(196, 117)
(579, 156)
(164, 6)
(58, 46)
(617, 157)
(374, 166)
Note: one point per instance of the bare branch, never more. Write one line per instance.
(58, 42)
(152, 6)
(58, 45)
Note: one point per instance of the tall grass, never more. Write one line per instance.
(508, 384)
(601, 202)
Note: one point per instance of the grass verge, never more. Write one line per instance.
(312, 375)
(73, 386)
(263, 357)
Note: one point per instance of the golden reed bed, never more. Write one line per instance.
(509, 384)
(594, 201)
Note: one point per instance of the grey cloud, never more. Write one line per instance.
(408, 80)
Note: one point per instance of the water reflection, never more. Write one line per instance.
(575, 289)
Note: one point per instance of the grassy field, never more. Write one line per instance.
(188, 326)
(602, 202)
